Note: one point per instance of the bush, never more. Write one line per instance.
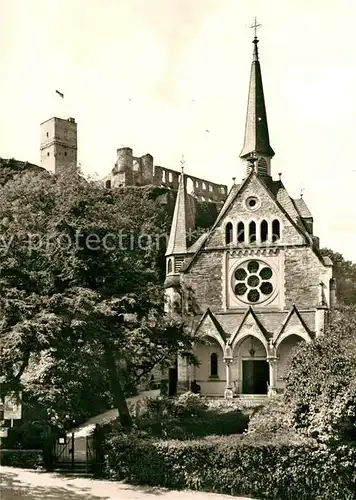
(26, 435)
(28, 459)
(272, 419)
(321, 384)
(189, 404)
(236, 466)
(224, 405)
(187, 417)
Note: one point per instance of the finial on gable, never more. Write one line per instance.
(182, 164)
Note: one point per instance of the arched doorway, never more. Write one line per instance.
(254, 367)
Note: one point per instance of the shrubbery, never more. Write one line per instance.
(28, 459)
(270, 460)
(321, 385)
(235, 465)
(272, 421)
(187, 417)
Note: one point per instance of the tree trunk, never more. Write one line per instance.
(116, 389)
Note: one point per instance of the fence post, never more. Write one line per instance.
(72, 450)
(49, 449)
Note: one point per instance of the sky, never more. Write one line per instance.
(155, 75)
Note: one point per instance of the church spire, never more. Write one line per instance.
(256, 144)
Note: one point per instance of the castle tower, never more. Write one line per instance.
(256, 144)
(58, 144)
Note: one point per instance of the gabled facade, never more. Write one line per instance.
(254, 285)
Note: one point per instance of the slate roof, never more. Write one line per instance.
(183, 220)
(302, 208)
(256, 130)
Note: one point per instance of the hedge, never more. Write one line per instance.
(235, 465)
(28, 459)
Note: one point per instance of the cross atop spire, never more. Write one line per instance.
(255, 26)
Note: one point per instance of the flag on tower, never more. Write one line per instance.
(60, 93)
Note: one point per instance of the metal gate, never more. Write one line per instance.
(71, 456)
(64, 450)
(91, 458)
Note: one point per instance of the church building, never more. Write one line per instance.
(255, 284)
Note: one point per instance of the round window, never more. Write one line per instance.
(254, 282)
(252, 203)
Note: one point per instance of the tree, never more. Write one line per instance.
(81, 296)
(321, 384)
(345, 275)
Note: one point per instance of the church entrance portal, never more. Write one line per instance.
(255, 376)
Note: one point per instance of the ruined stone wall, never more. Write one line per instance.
(131, 170)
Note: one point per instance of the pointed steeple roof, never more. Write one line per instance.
(183, 220)
(256, 130)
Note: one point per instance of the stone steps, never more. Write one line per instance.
(248, 400)
(251, 400)
(79, 469)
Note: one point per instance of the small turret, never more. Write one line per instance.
(182, 225)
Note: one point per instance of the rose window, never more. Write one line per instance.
(254, 281)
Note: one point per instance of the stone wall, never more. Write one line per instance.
(205, 280)
(300, 282)
(303, 274)
(131, 170)
(266, 210)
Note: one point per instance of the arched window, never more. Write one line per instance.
(214, 365)
(262, 166)
(241, 232)
(264, 231)
(170, 266)
(276, 230)
(228, 233)
(252, 232)
(108, 184)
